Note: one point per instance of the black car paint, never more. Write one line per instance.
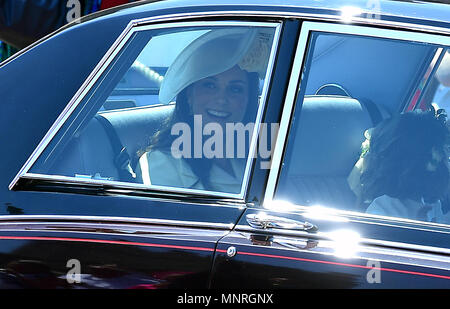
(44, 225)
(286, 259)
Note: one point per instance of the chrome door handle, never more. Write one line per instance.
(264, 221)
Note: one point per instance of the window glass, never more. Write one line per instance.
(139, 86)
(439, 88)
(356, 141)
(169, 111)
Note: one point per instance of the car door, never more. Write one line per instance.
(308, 230)
(74, 217)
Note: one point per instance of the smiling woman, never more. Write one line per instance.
(211, 104)
(216, 83)
(222, 97)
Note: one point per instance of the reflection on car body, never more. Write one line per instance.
(147, 167)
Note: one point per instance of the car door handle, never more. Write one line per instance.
(264, 221)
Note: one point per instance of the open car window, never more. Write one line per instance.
(167, 111)
(365, 137)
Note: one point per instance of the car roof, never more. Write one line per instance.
(407, 9)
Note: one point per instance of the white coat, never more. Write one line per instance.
(408, 209)
(163, 169)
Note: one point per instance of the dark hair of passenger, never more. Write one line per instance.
(407, 158)
(163, 139)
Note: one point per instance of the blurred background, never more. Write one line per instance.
(23, 22)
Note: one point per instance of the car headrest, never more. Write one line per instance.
(136, 126)
(328, 136)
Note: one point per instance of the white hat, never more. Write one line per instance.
(212, 53)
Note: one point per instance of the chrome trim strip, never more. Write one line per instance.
(300, 55)
(8, 219)
(376, 32)
(325, 236)
(134, 27)
(123, 185)
(341, 215)
(302, 15)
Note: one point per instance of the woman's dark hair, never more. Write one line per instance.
(407, 158)
(163, 139)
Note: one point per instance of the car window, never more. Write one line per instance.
(440, 89)
(356, 142)
(140, 84)
(168, 110)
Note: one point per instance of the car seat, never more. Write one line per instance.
(323, 150)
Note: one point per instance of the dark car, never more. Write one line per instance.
(212, 144)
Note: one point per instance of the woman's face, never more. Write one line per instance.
(222, 98)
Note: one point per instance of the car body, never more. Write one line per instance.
(84, 231)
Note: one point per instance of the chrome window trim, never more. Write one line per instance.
(119, 230)
(309, 16)
(295, 83)
(132, 28)
(123, 185)
(328, 236)
(43, 219)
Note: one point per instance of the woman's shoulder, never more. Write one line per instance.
(408, 209)
(159, 163)
(160, 167)
(388, 206)
(158, 156)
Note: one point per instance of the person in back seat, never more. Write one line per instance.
(223, 92)
(403, 170)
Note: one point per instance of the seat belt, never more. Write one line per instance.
(374, 112)
(122, 159)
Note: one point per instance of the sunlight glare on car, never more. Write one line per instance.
(320, 212)
(280, 206)
(349, 12)
(345, 243)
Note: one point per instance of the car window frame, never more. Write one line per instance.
(133, 27)
(278, 155)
